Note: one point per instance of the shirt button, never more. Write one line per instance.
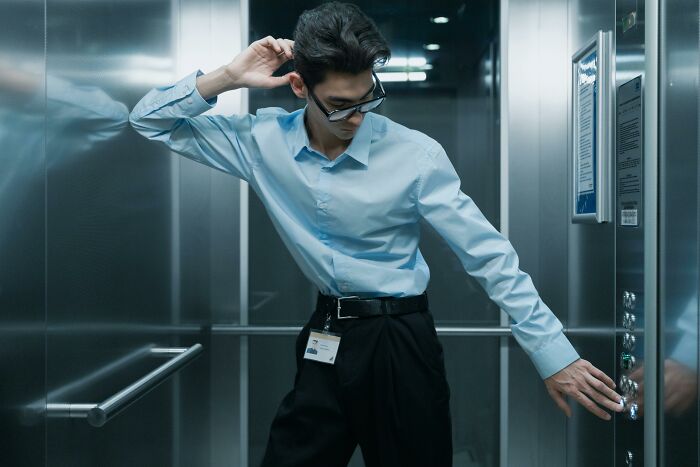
(189, 101)
(322, 205)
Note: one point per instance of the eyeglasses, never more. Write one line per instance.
(364, 107)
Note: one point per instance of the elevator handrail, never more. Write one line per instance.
(99, 414)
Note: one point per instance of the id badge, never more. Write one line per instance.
(322, 347)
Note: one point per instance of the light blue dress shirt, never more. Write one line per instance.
(351, 224)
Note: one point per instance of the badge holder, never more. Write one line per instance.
(322, 346)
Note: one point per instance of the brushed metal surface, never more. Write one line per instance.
(22, 230)
(679, 77)
(630, 241)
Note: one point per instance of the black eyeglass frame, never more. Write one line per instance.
(356, 107)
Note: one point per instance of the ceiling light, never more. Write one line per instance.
(417, 76)
(393, 77)
(402, 62)
(440, 19)
(431, 46)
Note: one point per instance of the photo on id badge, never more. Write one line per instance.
(322, 347)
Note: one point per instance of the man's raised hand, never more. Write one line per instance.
(253, 68)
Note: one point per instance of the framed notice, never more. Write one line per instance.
(592, 131)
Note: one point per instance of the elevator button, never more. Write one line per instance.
(629, 458)
(629, 300)
(633, 413)
(628, 321)
(633, 389)
(624, 383)
(629, 341)
(627, 361)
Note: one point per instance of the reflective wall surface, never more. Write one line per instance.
(22, 232)
(535, 90)
(679, 239)
(116, 245)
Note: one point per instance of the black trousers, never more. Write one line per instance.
(386, 392)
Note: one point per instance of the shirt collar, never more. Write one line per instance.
(358, 148)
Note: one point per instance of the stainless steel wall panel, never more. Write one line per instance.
(572, 265)
(108, 219)
(591, 273)
(22, 233)
(679, 79)
(537, 207)
(213, 406)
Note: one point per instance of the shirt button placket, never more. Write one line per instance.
(322, 203)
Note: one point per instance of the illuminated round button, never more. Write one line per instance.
(627, 361)
(633, 411)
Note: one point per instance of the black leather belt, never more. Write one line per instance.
(356, 307)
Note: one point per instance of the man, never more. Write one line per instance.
(345, 190)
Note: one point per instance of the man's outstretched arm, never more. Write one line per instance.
(491, 260)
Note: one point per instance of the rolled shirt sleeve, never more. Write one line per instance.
(171, 115)
(490, 258)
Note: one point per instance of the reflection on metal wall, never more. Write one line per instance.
(679, 239)
(22, 230)
(116, 245)
(108, 226)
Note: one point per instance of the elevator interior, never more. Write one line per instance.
(121, 259)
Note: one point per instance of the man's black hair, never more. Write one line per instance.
(336, 37)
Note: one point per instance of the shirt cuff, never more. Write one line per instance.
(196, 96)
(183, 95)
(554, 357)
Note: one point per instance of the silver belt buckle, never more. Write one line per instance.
(345, 298)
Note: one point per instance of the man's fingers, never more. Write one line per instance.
(603, 394)
(561, 403)
(276, 81)
(271, 43)
(601, 376)
(286, 48)
(591, 406)
(601, 398)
